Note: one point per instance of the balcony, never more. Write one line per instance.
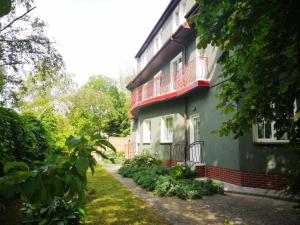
(169, 85)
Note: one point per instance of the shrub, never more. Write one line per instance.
(22, 138)
(128, 171)
(164, 184)
(143, 160)
(145, 178)
(182, 172)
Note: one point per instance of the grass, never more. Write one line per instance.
(109, 202)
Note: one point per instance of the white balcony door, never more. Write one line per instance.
(177, 72)
(157, 84)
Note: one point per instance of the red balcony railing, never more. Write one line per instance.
(167, 83)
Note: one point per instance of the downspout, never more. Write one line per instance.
(185, 102)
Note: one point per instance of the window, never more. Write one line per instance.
(194, 128)
(144, 91)
(177, 78)
(158, 41)
(179, 14)
(167, 129)
(144, 60)
(264, 132)
(176, 19)
(147, 131)
(157, 84)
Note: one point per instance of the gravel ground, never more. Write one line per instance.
(242, 209)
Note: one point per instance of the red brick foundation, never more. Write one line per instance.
(242, 178)
(200, 171)
(246, 178)
(169, 163)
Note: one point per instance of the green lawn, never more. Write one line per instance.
(109, 202)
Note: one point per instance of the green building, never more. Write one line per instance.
(174, 109)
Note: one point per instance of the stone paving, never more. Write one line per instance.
(242, 209)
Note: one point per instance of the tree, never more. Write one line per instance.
(118, 123)
(260, 43)
(23, 46)
(46, 96)
(89, 111)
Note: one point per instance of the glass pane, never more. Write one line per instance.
(260, 130)
(197, 128)
(268, 130)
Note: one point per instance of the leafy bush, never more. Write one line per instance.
(22, 138)
(143, 160)
(166, 181)
(54, 188)
(60, 212)
(164, 184)
(128, 171)
(145, 178)
(182, 172)
(186, 189)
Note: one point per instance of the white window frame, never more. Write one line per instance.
(192, 126)
(147, 132)
(201, 68)
(176, 18)
(144, 60)
(158, 41)
(163, 138)
(144, 91)
(175, 61)
(157, 88)
(179, 15)
(272, 140)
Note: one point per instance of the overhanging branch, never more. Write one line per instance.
(24, 14)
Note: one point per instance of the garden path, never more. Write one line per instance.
(242, 209)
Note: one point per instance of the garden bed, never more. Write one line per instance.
(178, 181)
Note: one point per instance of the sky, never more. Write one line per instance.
(99, 36)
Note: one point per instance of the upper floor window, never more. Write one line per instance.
(157, 79)
(178, 15)
(144, 60)
(158, 41)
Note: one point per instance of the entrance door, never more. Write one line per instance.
(194, 128)
(195, 146)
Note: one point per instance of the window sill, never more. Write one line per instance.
(166, 142)
(146, 143)
(271, 142)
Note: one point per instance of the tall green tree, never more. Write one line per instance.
(23, 46)
(89, 111)
(118, 123)
(260, 43)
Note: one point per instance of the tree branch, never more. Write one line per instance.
(24, 14)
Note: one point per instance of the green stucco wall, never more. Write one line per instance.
(226, 152)
(155, 113)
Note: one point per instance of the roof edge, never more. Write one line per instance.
(157, 26)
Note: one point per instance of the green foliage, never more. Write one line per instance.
(60, 212)
(166, 181)
(116, 118)
(260, 46)
(146, 179)
(181, 172)
(5, 7)
(57, 184)
(143, 160)
(186, 189)
(260, 66)
(128, 171)
(22, 137)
